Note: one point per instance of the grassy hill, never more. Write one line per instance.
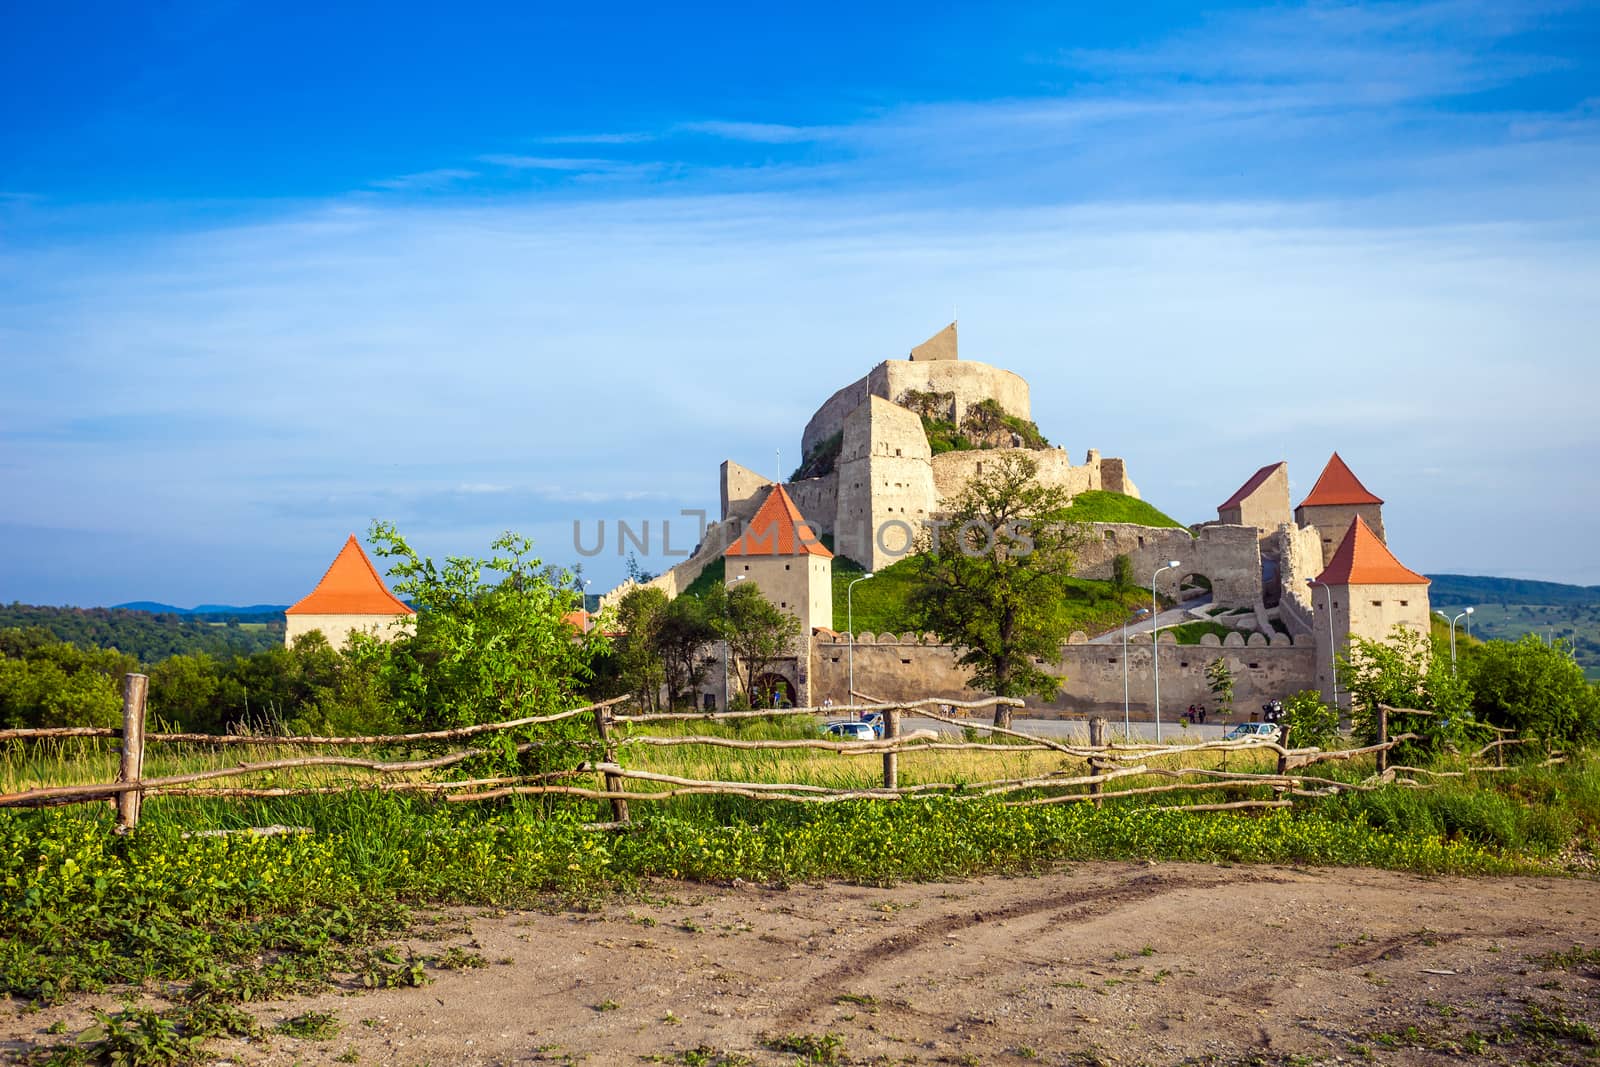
(1507, 608)
(1097, 505)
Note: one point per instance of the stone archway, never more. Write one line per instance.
(773, 690)
(1193, 585)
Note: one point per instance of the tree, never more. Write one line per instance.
(758, 632)
(1219, 679)
(991, 575)
(1535, 689)
(683, 635)
(491, 639)
(639, 661)
(1308, 721)
(1121, 574)
(1409, 670)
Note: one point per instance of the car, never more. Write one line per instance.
(1253, 731)
(851, 730)
(874, 719)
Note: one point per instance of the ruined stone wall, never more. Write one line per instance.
(743, 490)
(900, 667)
(1114, 478)
(818, 501)
(338, 628)
(1299, 554)
(1334, 521)
(953, 470)
(1230, 556)
(968, 382)
(885, 483)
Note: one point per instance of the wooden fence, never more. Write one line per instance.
(1102, 762)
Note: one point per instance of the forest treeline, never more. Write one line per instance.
(147, 636)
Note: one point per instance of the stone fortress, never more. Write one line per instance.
(1293, 586)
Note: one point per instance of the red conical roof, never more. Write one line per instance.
(1338, 485)
(352, 586)
(778, 529)
(1362, 559)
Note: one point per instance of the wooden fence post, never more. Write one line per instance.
(1097, 739)
(1383, 738)
(131, 766)
(613, 784)
(891, 760)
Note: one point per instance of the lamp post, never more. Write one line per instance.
(1333, 672)
(725, 585)
(1155, 633)
(1464, 615)
(1127, 730)
(850, 624)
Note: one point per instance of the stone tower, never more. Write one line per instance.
(1334, 502)
(1262, 501)
(1363, 592)
(779, 553)
(885, 484)
(350, 597)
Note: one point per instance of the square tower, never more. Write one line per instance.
(1334, 502)
(781, 554)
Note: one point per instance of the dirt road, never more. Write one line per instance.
(1105, 963)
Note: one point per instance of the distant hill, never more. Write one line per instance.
(155, 608)
(1507, 608)
(152, 636)
(1466, 589)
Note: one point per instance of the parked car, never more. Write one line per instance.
(1253, 731)
(874, 719)
(851, 730)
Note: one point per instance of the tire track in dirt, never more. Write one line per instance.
(1091, 903)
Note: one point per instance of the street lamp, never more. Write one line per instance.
(1332, 667)
(1155, 633)
(725, 585)
(1468, 616)
(1127, 732)
(850, 624)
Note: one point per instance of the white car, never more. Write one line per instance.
(851, 730)
(1253, 731)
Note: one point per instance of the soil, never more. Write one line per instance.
(1103, 963)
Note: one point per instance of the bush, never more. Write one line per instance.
(1537, 690)
(1308, 722)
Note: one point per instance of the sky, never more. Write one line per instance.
(271, 272)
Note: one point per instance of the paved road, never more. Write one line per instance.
(1078, 730)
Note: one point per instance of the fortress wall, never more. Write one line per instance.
(1230, 556)
(1299, 550)
(742, 490)
(818, 500)
(970, 382)
(1091, 675)
(1114, 478)
(952, 470)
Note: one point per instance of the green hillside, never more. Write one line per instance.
(148, 636)
(1097, 505)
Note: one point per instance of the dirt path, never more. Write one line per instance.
(1106, 963)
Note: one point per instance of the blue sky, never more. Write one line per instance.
(269, 273)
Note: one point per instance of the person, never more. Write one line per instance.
(827, 702)
(1202, 714)
(1190, 714)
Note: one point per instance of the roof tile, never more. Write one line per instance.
(778, 529)
(352, 586)
(1362, 559)
(1338, 485)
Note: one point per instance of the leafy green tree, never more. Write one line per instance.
(1219, 680)
(491, 639)
(1409, 670)
(1121, 575)
(1535, 689)
(758, 633)
(183, 691)
(684, 632)
(1308, 722)
(990, 577)
(637, 648)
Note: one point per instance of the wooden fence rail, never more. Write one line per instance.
(616, 785)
